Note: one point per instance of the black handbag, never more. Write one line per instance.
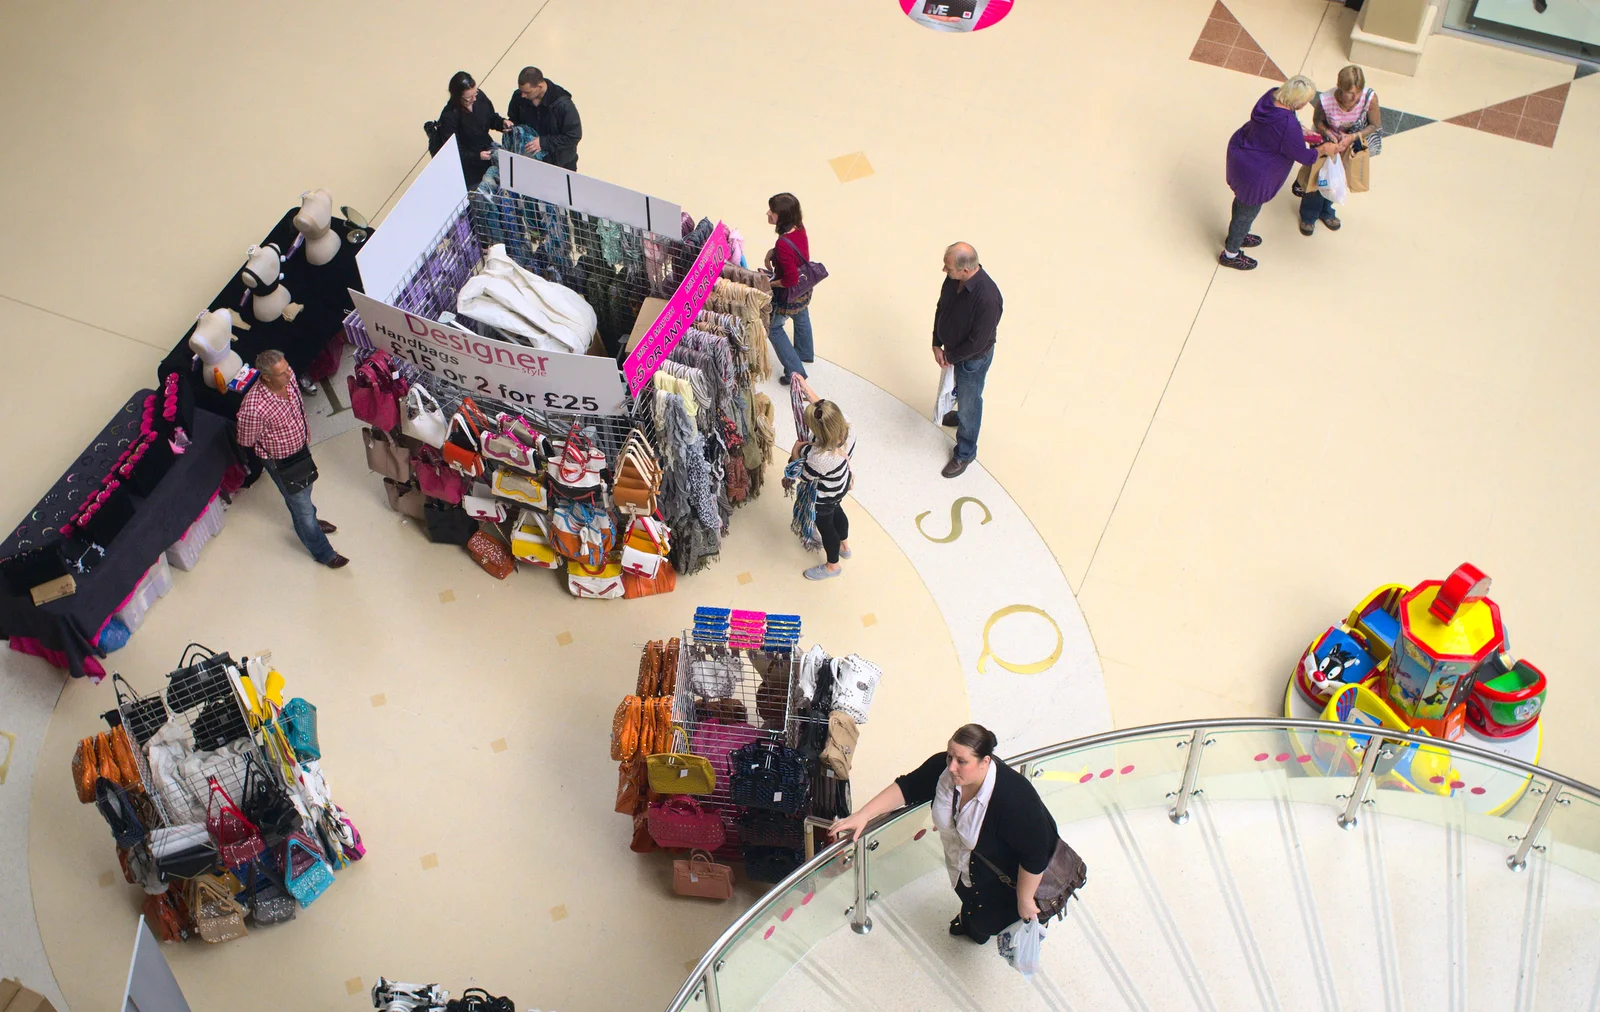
(117, 809)
(447, 523)
(765, 774)
(200, 678)
(219, 724)
(831, 799)
(771, 829)
(144, 715)
(771, 864)
(297, 471)
(265, 804)
(189, 863)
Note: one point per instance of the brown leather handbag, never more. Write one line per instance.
(627, 725)
(631, 792)
(649, 670)
(700, 876)
(491, 554)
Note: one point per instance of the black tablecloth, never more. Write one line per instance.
(323, 291)
(71, 623)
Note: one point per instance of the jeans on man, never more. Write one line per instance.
(970, 376)
(1313, 206)
(792, 355)
(304, 514)
(1244, 215)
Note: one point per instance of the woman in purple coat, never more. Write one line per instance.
(1260, 155)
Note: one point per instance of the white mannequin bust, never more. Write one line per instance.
(212, 340)
(263, 270)
(316, 214)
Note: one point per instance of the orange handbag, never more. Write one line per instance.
(491, 554)
(626, 725)
(85, 770)
(631, 794)
(122, 754)
(664, 582)
(649, 670)
(669, 667)
(106, 763)
(663, 740)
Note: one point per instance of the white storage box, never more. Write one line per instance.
(152, 587)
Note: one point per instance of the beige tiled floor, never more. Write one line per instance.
(1221, 464)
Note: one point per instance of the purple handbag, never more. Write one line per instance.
(682, 822)
(806, 276)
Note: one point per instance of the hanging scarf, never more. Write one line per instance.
(804, 523)
(959, 827)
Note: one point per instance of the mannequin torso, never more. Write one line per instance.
(316, 213)
(262, 273)
(212, 340)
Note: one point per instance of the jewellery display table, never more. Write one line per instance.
(71, 624)
(321, 291)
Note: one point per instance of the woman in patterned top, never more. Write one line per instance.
(1348, 111)
(825, 462)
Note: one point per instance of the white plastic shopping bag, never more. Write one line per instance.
(945, 401)
(1331, 181)
(1019, 946)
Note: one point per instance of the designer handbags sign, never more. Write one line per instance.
(510, 373)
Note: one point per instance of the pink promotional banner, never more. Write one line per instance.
(679, 314)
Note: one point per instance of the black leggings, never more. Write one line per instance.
(834, 527)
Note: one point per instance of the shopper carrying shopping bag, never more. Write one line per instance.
(1348, 115)
(824, 461)
(793, 276)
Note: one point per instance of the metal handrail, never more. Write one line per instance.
(703, 975)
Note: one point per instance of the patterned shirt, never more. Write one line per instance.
(274, 427)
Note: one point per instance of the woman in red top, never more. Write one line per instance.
(784, 260)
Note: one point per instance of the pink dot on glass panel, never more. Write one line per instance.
(1436, 780)
(1456, 785)
(1126, 770)
(1282, 757)
(786, 914)
(1261, 757)
(1479, 790)
(920, 834)
(1086, 778)
(807, 898)
(1106, 773)
(769, 932)
(1302, 758)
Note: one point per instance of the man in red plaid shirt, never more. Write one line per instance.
(272, 423)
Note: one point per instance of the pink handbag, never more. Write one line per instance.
(375, 392)
(716, 742)
(682, 822)
(437, 479)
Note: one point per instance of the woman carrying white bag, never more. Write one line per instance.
(1350, 117)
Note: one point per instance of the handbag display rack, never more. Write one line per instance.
(242, 825)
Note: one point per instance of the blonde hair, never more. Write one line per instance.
(1296, 91)
(1352, 78)
(828, 428)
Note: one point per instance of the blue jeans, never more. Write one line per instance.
(304, 514)
(970, 376)
(792, 355)
(1313, 206)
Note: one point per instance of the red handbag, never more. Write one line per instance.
(683, 822)
(375, 392)
(436, 478)
(237, 839)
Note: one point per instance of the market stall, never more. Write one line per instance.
(735, 745)
(489, 378)
(215, 796)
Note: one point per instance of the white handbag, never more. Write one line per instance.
(855, 681)
(483, 508)
(604, 583)
(421, 418)
(648, 541)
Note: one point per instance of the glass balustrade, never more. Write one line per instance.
(1172, 767)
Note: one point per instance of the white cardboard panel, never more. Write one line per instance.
(666, 218)
(530, 176)
(608, 200)
(408, 229)
(151, 985)
(535, 178)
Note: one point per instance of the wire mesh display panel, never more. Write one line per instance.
(205, 736)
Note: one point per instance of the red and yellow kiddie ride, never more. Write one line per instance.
(1435, 657)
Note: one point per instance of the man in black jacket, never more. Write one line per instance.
(547, 107)
(964, 326)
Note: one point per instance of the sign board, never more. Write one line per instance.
(151, 986)
(556, 185)
(416, 220)
(680, 312)
(512, 373)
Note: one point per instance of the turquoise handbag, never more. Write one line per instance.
(310, 876)
(300, 726)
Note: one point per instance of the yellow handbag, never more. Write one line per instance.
(509, 484)
(680, 772)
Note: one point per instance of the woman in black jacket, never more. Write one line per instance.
(468, 116)
(988, 817)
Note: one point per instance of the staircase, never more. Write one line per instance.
(1259, 901)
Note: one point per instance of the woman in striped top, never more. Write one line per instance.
(825, 462)
(1349, 111)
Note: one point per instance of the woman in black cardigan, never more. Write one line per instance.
(982, 808)
(468, 116)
